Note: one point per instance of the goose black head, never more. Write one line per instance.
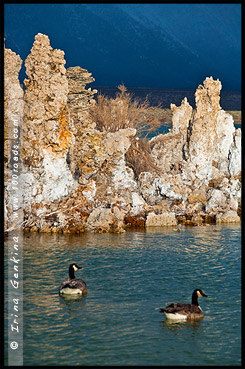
(200, 293)
(73, 268)
(196, 294)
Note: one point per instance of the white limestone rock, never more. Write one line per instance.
(235, 154)
(216, 199)
(229, 216)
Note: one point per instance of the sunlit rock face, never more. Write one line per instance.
(229, 216)
(79, 100)
(13, 93)
(160, 220)
(235, 154)
(75, 178)
(106, 220)
(62, 151)
(48, 132)
(213, 150)
(13, 117)
(202, 148)
(96, 157)
(46, 89)
(203, 142)
(167, 149)
(210, 134)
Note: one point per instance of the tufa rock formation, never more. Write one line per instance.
(202, 149)
(13, 120)
(74, 178)
(47, 129)
(79, 101)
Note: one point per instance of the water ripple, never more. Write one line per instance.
(128, 277)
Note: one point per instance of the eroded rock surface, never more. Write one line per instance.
(79, 100)
(13, 119)
(75, 177)
(199, 157)
(48, 132)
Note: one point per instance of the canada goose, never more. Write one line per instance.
(180, 311)
(72, 285)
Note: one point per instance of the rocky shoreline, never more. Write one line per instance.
(75, 178)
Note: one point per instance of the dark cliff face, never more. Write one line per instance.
(148, 45)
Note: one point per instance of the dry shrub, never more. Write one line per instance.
(138, 157)
(110, 115)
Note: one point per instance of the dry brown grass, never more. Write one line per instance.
(138, 157)
(121, 112)
(110, 115)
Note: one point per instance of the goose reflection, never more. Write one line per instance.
(73, 302)
(175, 325)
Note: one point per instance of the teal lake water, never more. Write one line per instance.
(128, 277)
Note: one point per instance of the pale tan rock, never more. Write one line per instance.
(100, 219)
(231, 188)
(75, 177)
(147, 188)
(169, 187)
(181, 117)
(45, 100)
(194, 208)
(118, 225)
(233, 204)
(207, 98)
(79, 100)
(106, 220)
(235, 154)
(13, 119)
(203, 148)
(229, 216)
(199, 138)
(198, 195)
(197, 219)
(210, 132)
(216, 199)
(90, 191)
(167, 151)
(119, 141)
(138, 204)
(13, 93)
(47, 128)
(160, 220)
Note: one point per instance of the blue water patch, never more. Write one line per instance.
(129, 276)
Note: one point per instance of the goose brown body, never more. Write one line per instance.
(182, 311)
(72, 285)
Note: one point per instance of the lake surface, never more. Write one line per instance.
(229, 100)
(129, 276)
